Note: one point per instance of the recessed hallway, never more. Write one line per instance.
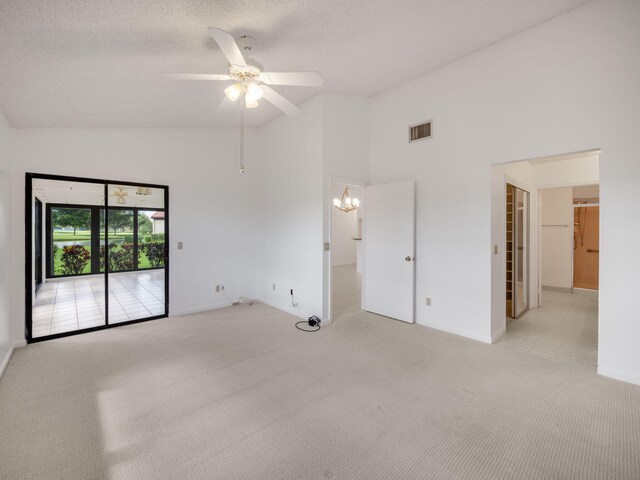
(345, 291)
(563, 329)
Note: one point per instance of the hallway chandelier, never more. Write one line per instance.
(346, 203)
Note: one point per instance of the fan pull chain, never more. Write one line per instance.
(242, 140)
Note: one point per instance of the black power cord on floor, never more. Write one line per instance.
(312, 321)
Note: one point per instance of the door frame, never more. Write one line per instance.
(37, 233)
(29, 266)
(513, 182)
(328, 282)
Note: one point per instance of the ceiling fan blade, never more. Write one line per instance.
(301, 79)
(279, 101)
(228, 46)
(197, 76)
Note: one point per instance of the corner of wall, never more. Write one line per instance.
(7, 333)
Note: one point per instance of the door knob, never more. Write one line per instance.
(408, 259)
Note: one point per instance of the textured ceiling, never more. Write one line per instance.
(96, 63)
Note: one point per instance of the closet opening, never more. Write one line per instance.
(546, 231)
(517, 251)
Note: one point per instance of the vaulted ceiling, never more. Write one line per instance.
(83, 64)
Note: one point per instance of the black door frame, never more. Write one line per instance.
(29, 197)
(37, 232)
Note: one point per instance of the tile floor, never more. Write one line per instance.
(345, 291)
(70, 304)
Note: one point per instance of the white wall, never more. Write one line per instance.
(556, 242)
(212, 207)
(582, 170)
(299, 159)
(346, 144)
(6, 337)
(567, 85)
(290, 221)
(520, 174)
(587, 192)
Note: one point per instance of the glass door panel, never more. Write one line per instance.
(137, 253)
(151, 243)
(71, 241)
(71, 297)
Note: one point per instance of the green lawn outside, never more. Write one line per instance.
(85, 236)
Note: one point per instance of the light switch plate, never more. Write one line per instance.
(180, 245)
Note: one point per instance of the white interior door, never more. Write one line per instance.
(389, 246)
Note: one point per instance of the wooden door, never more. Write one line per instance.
(586, 247)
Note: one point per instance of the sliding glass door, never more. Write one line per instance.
(137, 253)
(104, 255)
(71, 297)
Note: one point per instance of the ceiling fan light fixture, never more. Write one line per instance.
(250, 102)
(233, 92)
(254, 91)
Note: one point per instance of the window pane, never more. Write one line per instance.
(71, 241)
(150, 239)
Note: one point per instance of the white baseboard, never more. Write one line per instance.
(498, 335)
(456, 331)
(585, 291)
(7, 357)
(283, 307)
(551, 288)
(204, 308)
(618, 375)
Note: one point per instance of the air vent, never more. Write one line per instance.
(420, 132)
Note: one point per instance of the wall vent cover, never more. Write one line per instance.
(420, 131)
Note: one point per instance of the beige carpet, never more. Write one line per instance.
(239, 393)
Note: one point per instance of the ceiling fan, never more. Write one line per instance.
(249, 78)
(121, 196)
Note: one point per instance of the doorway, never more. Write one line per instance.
(105, 263)
(347, 216)
(560, 320)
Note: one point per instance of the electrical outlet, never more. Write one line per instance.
(222, 287)
(291, 292)
(495, 249)
(218, 289)
(180, 245)
(428, 302)
(274, 287)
